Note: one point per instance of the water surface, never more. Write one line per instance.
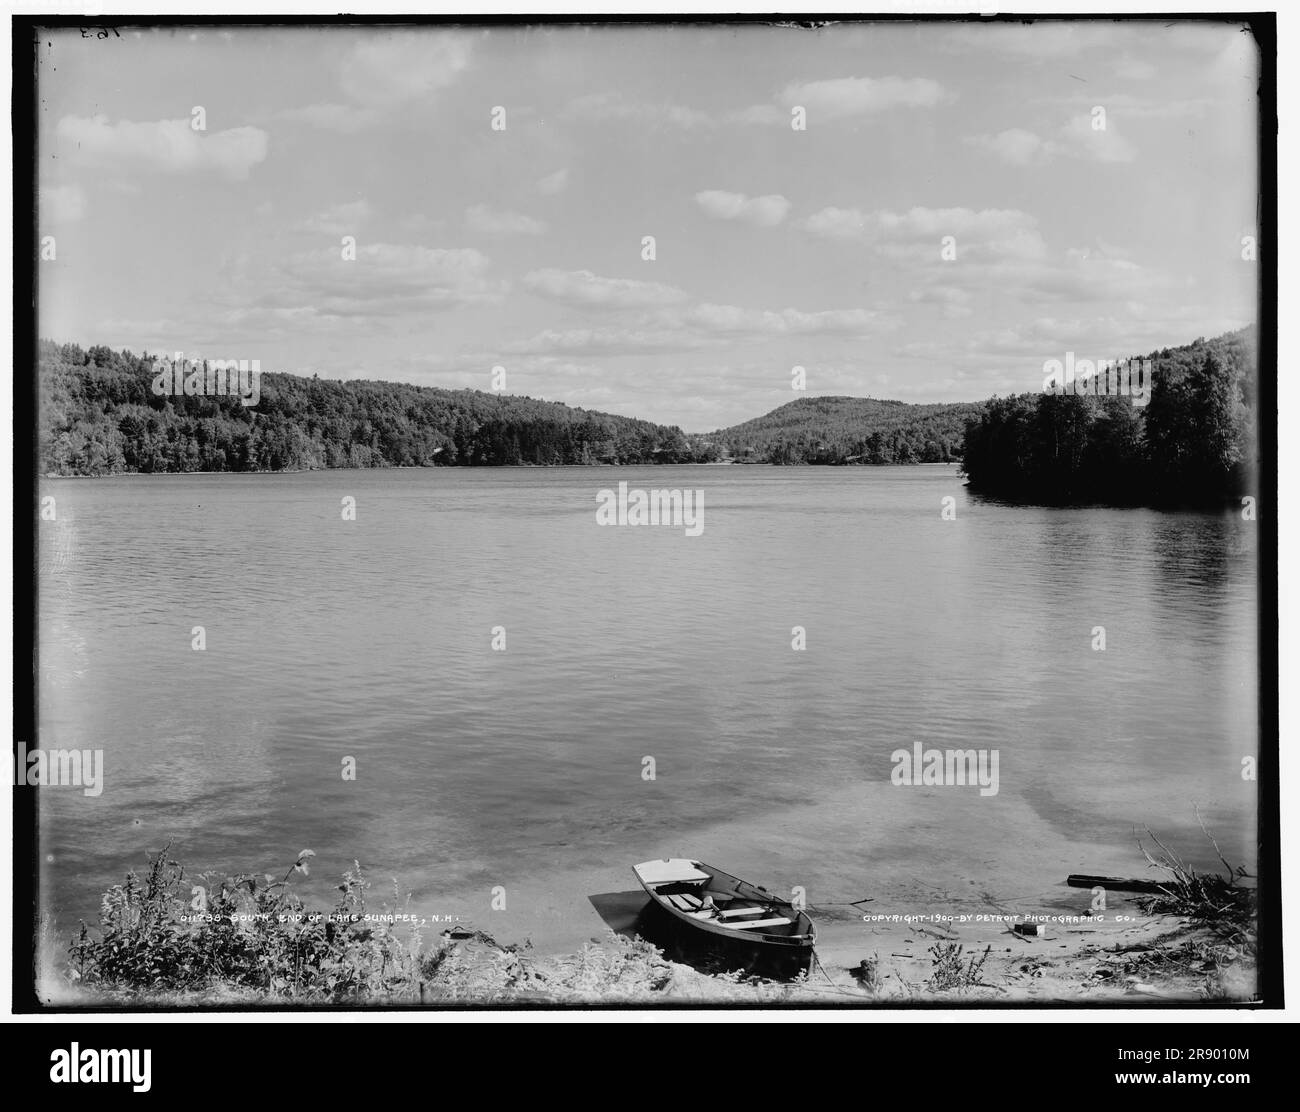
(372, 639)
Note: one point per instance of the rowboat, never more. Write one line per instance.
(719, 904)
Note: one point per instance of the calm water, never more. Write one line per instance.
(372, 639)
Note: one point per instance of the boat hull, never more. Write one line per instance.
(764, 922)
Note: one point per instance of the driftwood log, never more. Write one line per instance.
(1115, 883)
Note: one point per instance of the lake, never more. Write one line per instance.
(525, 769)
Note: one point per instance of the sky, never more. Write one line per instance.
(963, 204)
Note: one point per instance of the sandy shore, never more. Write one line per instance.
(939, 884)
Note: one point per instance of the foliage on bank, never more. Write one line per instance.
(1194, 442)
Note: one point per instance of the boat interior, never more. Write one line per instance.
(728, 908)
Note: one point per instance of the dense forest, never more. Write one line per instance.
(99, 416)
(1193, 442)
(850, 431)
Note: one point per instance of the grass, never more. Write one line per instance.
(250, 939)
(951, 974)
(1220, 944)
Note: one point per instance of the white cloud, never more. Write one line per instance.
(554, 183)
(704, 325)
(1076, 138)
(385, 73)
(502, 222)
(858, 96)
(602, 107)
(582, 287)
(786, 322)
(170, 146)
(62, 204)
(952, 300)
(1015, 146)
(605, 341)
(1081, 139)
(338, 220)
(766, 211)
(987, 233)
(385, 280)
(760, 114)
(386, 70)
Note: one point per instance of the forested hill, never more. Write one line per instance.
(1193, 442)
(850, 430)
(100, 416)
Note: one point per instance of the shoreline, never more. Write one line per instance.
(911, 912)
(499, 467)
(1105, 964)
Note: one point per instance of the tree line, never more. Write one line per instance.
(100, 416)
(1194, 442)
(843, 430)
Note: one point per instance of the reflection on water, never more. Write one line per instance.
(372, 640)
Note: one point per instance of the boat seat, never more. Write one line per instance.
(754, 924)
(678, 902)
(742, 911)
(692, 900)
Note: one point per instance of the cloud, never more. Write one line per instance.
(1126, 106)
(766, 211)
(1015, 146)
(385, 280)
(987, 233)
(602, 107)
(606, 341)
(338, 220)
(1082, 140)
(387, 70)
(760, 114)
(699, 326)
(553, 183)
(502, 222)
(834, 99)
(859, 96)
(582, 287)
(952, 300)
(170, 146)
(1076, 138)
(62, 204)
(785, 322)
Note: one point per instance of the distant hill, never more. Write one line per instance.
(843, 430)
(1194, 441)
(100, 416)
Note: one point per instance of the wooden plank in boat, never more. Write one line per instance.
(675, 871)
(753, 925)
